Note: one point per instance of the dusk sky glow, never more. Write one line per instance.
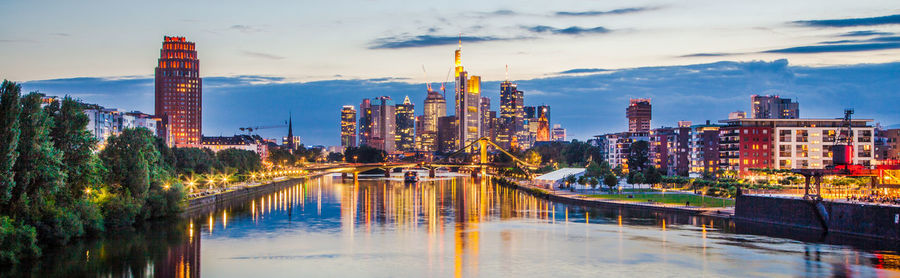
(544, 44)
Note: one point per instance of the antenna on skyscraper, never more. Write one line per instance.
(460, 41)
(425, 75)
(507, 72)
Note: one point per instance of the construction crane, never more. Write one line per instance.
(250, 129)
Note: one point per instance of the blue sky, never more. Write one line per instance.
(584, 58)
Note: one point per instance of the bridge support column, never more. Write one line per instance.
(355, 177)
(474, 173)
(387, 172)
(431, 173)
(343, 176)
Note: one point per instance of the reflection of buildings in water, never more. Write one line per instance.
(181, 260)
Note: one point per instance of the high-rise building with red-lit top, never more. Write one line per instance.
(179, 94)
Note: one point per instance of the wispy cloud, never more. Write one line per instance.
(574, 30)
(61, 34)
(712, 54)
(245, 28)
(261, 55)
(426, 40)
(578, 71)
(850, 22)
(836, 48)
(17, 41)
(865, 33)
(610, 12)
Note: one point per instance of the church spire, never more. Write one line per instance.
(290, 139)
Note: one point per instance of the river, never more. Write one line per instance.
(454, 227)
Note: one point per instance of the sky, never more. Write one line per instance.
(263, 59)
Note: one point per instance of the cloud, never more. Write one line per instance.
(578, 71)
(836, 48)
(17, 41)
(865, 33)
(713, 54)
(261, 55)
(504, 12)
(245, 28)
(850, 22)
(426, 41)
(61, 34)
(610, 12)
(574, 30)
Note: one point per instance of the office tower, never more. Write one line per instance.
(447, 134)
(639, 114)
(348, 127)
(406, 124)
(494, 124)
(774, 107)
(737, 115)
(512, 114)
(468, 98)
(384, 124)
(420, 130)
(530, 112)
(435, 107)
(179, 93)
(365, 122)
(485, 110)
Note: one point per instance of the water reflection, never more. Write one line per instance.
(454, 227)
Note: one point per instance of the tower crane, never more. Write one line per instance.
(250, 129)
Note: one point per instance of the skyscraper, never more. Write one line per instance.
(543, 129)
(384, 125)
(365, 122)
(348, 126)
(406, 124)
(468, 98)
(512, 114)
(485, 110)
(639, 114)
(435, 107)
(179, 93)
(774, 107)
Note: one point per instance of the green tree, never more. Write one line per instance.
(593, 181)
(242, 161)
(652, 175)
(610, 180)
(570, 179)
(9, 139)
(38, 169)
(196, 160)
(638, 155)
(335, 157)
(70, 136)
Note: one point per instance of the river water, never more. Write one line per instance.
(454, 227)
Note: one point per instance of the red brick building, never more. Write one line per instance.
(179, 94)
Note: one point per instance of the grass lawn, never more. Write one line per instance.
(673, 198)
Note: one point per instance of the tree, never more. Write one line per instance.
(9, 139)
(652, 175)
(38, 169)
(593, 181)
(582, 181)
(335, 157)
(242, 161)
(638, 155)
(610, 180)
(570, 179)
(196, 160)
(364, 154)
(70, 136)
(533, 157)
(635, 178)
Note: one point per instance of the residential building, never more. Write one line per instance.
(792, 143)
(639, 114)
(253, 143)
(704, 150)
(179, 94)
(886, 144)
(103, 122)
(774, 107)
(558, 133)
